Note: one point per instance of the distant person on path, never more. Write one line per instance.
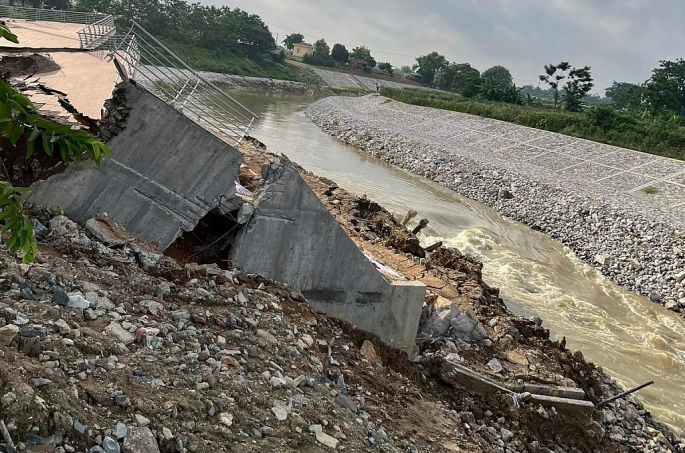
(377, 88)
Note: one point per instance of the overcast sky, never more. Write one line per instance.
(622, 40)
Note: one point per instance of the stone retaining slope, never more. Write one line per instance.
(591, 197)
(336, 79)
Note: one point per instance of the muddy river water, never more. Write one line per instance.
(632, 338)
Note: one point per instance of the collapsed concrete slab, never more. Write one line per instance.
(164, 174)
(292, 238)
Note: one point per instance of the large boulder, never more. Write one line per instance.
(140, 440)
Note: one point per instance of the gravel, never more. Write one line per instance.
(640, 236)
(170, 389)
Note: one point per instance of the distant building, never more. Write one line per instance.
(358, 63)
(301, 49)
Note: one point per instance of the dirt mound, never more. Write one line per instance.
(25, 65)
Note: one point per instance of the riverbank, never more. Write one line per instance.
(107, 343)
(231, 82)
(514, 342)
(604, 125)
(635, 239)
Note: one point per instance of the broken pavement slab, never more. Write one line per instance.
(293, 238)
(459, 376)
(107, 230)
(164, 174)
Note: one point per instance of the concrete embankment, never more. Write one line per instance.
(526, 175)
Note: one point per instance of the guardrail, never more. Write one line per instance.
(156, 68)
(91, 36)
(50, 15)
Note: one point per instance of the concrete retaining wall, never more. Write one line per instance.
(292, 238)
(164, 174)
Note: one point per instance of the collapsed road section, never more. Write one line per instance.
(167, 173)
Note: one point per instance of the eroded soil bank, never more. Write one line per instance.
(110, 345)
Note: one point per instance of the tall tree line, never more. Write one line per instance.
(219, 29)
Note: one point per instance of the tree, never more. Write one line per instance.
(499, 75)
(321, 48)
(509, 94)
(387, 67)
(625, 95)
(460, 78)
(665, 90)
(292, 39)
(254, 36)
(406, 69)
(57, 4)
(340, 54)
(363, 53)
(553, 76)
(578, 85)
(429, 65)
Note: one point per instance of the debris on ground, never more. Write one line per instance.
(108, 345)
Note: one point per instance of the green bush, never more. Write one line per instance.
(318, 60)
(600, 124)
(202, 59)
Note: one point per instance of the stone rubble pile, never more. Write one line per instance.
(108, 346)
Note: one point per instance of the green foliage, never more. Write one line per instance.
(321, 49)
(665, 90)
(492, 92)
(202, 59)
(340, 54)
(292, 39)
(19, 119)
(553, 76)
(17, 225)
(280, 57)
(625, 95)
(57, 4)
(499, 76)
(600, 124)
(430, 65)
(363, 53)
(579, 83)
(459, 78)
(5, 33)
(214, 28)
(318, 60)
(651, 190)
(387, 67)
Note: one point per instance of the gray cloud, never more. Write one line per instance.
(621, 40)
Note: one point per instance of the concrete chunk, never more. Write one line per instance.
(292, 238)
(164, 174)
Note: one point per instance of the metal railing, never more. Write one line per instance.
(91, 36)
(156, 68)
(50, 15)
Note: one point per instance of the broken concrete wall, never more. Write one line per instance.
(164, 174)
(292, 238)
